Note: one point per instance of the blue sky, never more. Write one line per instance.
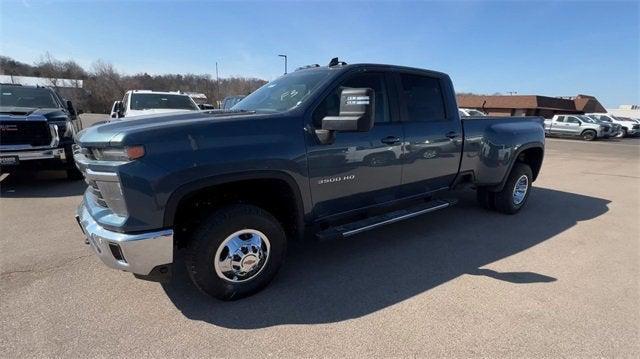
(551, 48)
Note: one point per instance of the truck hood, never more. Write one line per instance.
(12, 113)
(112, 133)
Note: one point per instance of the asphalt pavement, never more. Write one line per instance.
(561, 278)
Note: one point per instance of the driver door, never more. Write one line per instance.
(358, 169)
(572, 126)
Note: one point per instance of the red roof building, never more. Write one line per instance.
(530, 105)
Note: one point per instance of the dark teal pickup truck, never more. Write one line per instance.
(325, 152)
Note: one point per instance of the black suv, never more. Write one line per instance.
(36, 129)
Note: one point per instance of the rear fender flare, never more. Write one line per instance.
(498, 187)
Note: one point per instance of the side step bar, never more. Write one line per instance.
(353, 228)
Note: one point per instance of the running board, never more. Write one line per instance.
(353, 228)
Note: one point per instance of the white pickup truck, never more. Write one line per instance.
(628, 127)
(576, 126)
(146, 102)
(470, 112)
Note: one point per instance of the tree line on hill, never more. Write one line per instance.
(103, 84)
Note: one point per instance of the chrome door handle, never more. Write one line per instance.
(452, 134)
(390, 140)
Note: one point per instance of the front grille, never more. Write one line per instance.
(635, 127)
(34, 133)
(93, 188)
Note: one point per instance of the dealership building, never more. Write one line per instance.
(530, 105)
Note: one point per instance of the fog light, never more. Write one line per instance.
(117, 252)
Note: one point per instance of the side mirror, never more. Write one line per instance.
(356, 112)
(72, 110)
(116, 110)
(205, 106)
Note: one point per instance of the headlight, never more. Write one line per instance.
(118, 153)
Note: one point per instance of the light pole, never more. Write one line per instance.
(285, 63)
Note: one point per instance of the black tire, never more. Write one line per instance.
(206, 240)
(486, 198)
(623, 133)
(589, 135)
(504, 200)
(74, 174)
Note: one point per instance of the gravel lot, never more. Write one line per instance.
(561, 278)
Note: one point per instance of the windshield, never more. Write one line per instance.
(19, 96)
(283, 93)
(147, 101)
(229, 102)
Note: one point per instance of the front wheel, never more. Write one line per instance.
(236, 252)
(622, 133)
(516, 191)
(589, 135)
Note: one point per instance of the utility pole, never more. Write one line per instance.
(285, 63)
(217, 84)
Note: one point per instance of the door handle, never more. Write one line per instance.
(452, 134)
(390, 140)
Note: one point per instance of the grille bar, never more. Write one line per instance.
(33, 133)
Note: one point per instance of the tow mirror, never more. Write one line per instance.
(72, 110)
(356, 112)
(116, 111)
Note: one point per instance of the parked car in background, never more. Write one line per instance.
(329, 151)
(576, 126)
(231, 101)
(146, 102)
(616, 129)
(468, 112)
(201, 100)
(628, 128)
(36, 129)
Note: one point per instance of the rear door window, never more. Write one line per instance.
(423, 98)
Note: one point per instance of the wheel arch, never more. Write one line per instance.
(532, 154)
(186, 192)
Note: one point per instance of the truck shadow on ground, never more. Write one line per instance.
(40, 185)
(336, 281)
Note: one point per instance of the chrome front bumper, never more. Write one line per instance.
(40, 154)
(136, 253)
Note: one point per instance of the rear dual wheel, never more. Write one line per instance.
(513, 195)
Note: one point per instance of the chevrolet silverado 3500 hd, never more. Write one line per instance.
(325, 151)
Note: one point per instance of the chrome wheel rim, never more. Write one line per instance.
(520, 189)
(242, 256)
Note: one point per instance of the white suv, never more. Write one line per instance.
(629, 128)
(146, 102)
